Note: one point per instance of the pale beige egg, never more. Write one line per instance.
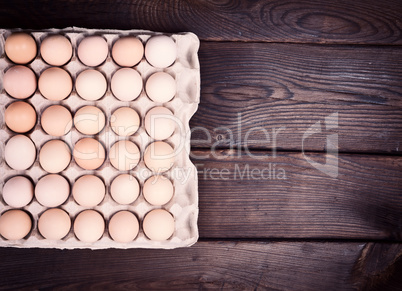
(91, 85)
(89, 226)
(160, 123)
(125, 189)
(89, 120)
(54, 224)
(19, 82)
(125, 121)
(20, 116)
(160, 51)
(124, 155)
(55, 84)
(160, 87)
(18, 191)
(56, 50)
(158, 190)
(92, 50)
(89, 153)
(20, 47)
(88, 190)
(20, 152)
(127, 51)
(158, 225)
(52, 190)
(159, 156)
(123, 227)
(54, 156)
(56, 120)
(126, 84)
(15, 224)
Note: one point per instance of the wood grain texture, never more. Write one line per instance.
(207, 265)
(249, 90)
(243, 196)
(307, 21)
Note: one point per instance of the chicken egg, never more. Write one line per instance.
(160, 123)
(20, 116)
(55, 84)
(125, 121)
(123, 227)
(92, 50)
(161, 87)
(89, 120)
(56, 120)
(89, 226)
(56, 50)
(89, 190)
(127, 51)
(126, 84)
(19, 82)
(54, 156)
(20, 152)
(125, 189)
(91, 85)
(20, 47)
(54, 224)
(89, 153)
(15, 224)
(158, 225)
(52, 190)
(124, 155)
(18, 191)
(158, 190)
(159, 156)
(160, 51)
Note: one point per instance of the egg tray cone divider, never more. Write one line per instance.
(184, 204)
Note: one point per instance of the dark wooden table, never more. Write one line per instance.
(270, 70)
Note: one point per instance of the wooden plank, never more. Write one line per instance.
(207, 265)
(251, 92)
(242, 196)
(360, 22)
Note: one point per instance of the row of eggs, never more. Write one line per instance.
(88, 190)
(88, 153)
(56, 84)
(56, 50)
(57, 120)
(89, 225)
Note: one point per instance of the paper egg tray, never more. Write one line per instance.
(184, 204)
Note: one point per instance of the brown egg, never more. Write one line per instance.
(55, 84)
(54, 156)
(20, 47)
(127, 51)
(56, 120)
(56, 50)
(89, 120)
(159, 156)
(160, 123)
(123, 227)
(54, 224)
(158, 225)
(124, 155)
(125, 121)
(125, 189)
(89, 153)
(20, 116)
(89, 226)
(19, 82)
(52, 190)
(89, 190)
(92, 50)
(158, 190)
(15, 224)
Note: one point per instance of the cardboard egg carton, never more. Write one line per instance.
(183, 174)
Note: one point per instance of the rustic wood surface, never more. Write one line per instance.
(314, 21)
(270, 70)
